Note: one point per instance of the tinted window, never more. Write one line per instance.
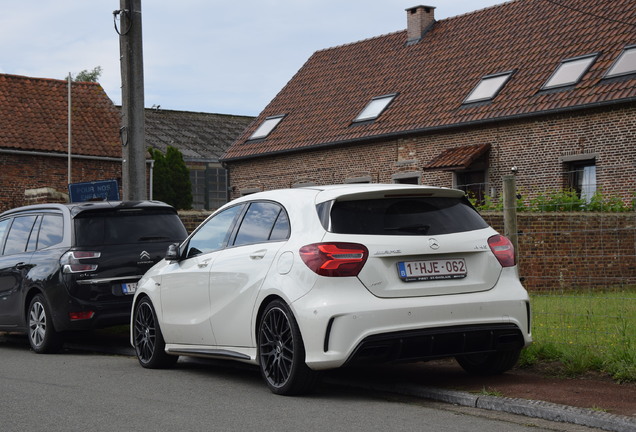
(4, 225)
(214, 234)
(19, 234)
(51, 231)
(127, 226)
(405, 216)
(260, 224)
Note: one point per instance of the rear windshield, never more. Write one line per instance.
(128, 226)
(403, 216)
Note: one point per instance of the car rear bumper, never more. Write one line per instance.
(362, 327)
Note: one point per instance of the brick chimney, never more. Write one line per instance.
(418, 20)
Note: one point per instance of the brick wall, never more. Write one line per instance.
(533, 145)
(558, 251)
(19, 173)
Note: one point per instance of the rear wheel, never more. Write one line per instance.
(281, 352)
(489, 363)
(43, 337)
(148, 340)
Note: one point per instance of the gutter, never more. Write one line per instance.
(433, 129)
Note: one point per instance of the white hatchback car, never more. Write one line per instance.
(307, 279)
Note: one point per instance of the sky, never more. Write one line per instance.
(213, 56)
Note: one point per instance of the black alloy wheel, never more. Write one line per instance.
(281, 352)
(43, 337)
(149, 343)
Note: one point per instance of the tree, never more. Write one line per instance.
(88, 76)
(171, 178)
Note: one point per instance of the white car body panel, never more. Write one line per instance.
(210, 304)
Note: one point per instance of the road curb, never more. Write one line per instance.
(530, 408)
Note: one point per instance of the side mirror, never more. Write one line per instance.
(172, 254)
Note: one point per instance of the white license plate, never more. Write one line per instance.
(129, 288)
(410, 271)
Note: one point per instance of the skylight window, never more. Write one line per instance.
(570, 71)
(375, 108)
(625, 64)
(488, 87)
(266, 127)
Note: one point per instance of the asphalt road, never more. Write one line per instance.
(81, 390)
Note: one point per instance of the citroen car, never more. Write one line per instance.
(71, 267)
(302, 280)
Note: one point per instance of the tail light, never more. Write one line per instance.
(335, 259)
(76, 261)
(503, 249)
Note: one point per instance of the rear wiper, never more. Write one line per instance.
(417, 228)
(150, 238)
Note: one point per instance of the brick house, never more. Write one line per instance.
(34, 138)
(546, 87)
(202, 139)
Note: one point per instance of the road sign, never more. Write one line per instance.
(104, 190)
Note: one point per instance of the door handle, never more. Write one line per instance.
(203, 264)
(258, 254)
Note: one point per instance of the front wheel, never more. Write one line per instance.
(148, 340)
(43, 337)
(489, 363)
(281, 352)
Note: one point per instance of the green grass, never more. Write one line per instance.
(582, 332)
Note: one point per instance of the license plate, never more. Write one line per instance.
(129, 288)
(410, 271)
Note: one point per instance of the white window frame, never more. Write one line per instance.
(265, 128)
(375, 108)
(488, 87)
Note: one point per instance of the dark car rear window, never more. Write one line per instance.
(128, 226)
(404, 216)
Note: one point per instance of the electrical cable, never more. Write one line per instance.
(116, 14)
(554, 2)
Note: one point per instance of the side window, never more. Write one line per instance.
(51, 231)
(4, 226)
(214, 234)
(19, 234)
(260, 224)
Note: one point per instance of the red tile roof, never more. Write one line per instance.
(34, 117)
(434, 76)
(457, 157)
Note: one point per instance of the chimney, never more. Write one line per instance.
(418, 20)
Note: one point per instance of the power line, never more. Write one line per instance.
(590, 13)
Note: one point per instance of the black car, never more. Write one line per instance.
(68, 267)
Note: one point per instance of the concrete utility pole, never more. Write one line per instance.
(133, 120)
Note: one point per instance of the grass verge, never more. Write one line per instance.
(582, 332)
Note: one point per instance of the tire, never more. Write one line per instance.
(489, 363)
(43, 337)
(149, 343)
(281, 352)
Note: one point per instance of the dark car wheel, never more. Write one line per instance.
(489, 363)
(148, 340)
(281, 352)
(42, 335)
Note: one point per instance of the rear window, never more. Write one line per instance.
(403, 216)
(128, 226)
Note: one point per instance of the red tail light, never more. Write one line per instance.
(73, 262)
(77, 316)
(335, 259)
(503, 249)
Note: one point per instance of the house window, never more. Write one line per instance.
(209, 187)
(581, 177)
(407, 178)
(625, 64)
(268, 125)
(473, 183)
(569, 72)
(488, 87)
(375, 108)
